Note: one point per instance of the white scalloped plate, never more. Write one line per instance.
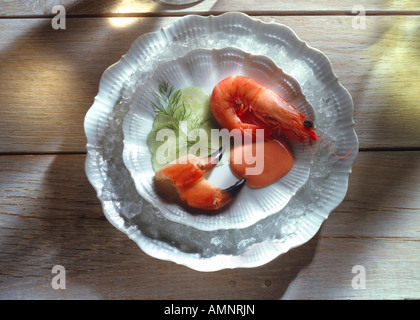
(263, 241)
(250, 205)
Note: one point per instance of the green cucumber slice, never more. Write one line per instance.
(192, 135)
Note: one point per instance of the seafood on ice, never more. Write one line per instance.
(239, 102)
(187, 175)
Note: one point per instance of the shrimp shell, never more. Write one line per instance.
(239, 102)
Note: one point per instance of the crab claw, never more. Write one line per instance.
(204, 194)
(215, 157)
(188, 178)
(234, 189)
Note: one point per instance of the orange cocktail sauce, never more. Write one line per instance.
(274, 162)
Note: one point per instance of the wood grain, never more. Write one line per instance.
(53, 75)
(150, 7)
(49, 215)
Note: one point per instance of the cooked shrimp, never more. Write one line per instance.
(187, 175)
(239, 102)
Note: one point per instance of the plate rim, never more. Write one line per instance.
(150, 246)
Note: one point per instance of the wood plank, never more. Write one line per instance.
(53, 78)
(388, 264)
(147, 7)
(49, 215)
(377, 65)
(53, 75)
(382, 201)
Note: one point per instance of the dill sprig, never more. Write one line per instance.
(193, 129)
(169, 104)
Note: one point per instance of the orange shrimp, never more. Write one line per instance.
(239, 102)
(187, 175)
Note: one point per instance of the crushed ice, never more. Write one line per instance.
(119, 187)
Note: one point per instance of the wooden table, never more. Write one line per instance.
(50, 215)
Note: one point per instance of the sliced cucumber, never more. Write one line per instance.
(168, 150)
(196, 101)
(168, 140)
